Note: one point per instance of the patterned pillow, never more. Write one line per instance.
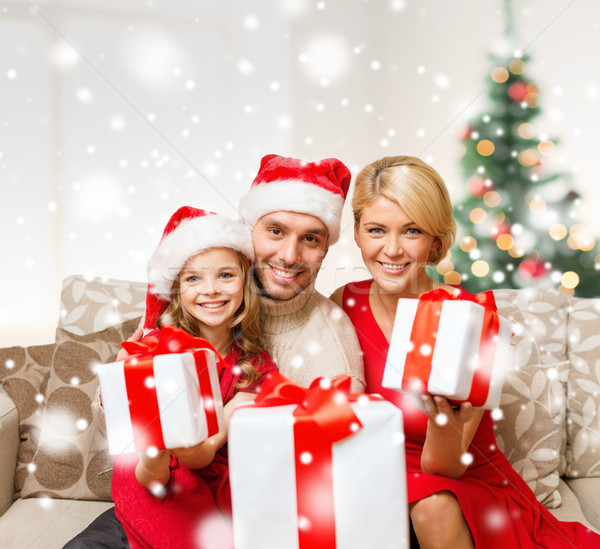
(89, 306)
(71, 461)
(583, 422)
(24, 373)
(532, 432)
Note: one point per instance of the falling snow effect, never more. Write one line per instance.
(157, 126)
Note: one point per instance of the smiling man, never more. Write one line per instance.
(295, 208)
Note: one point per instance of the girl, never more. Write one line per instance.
(200, 273)
(403, 221)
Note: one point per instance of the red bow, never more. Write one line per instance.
(169, 340)
(326, 402)
(485, 299)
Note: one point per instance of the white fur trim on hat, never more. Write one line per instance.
(293, 196)
(191, 237)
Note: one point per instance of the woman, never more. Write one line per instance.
(462, 491)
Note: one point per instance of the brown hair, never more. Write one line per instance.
(417, 188)
(245, 323)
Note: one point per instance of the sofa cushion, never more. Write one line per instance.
(9, 435)
(532, 430)
(24, 372)
(91, 305)
(587, 491)
(71, 460)
(583, 421)
(45, 523)
(570, 509)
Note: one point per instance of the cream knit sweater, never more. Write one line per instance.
(310, 336)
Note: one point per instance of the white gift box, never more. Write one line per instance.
(186, 396)
(369, 482)
(454, 356)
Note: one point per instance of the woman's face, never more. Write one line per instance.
(394, 248)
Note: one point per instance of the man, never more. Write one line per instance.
(294, 208)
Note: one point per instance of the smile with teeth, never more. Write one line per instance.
(212, 305)
(284, 274)
(393, 266)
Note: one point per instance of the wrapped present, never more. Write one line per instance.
(317, 467)
(446, 346)
(160, 396)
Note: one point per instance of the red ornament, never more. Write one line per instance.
(517, 91)
(531, 268)
(466, 133)
(477, 185)
(501, 228)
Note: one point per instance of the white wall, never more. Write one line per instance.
(114, 113)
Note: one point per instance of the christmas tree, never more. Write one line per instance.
(518, 225)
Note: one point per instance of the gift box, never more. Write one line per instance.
(452, 347)
(161, 400)
(319, 472)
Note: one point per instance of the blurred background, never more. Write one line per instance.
(113, 113)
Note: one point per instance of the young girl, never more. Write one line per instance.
(199, 281)
(403, 222)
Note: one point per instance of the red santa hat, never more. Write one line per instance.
(188, 232)
(293, 185)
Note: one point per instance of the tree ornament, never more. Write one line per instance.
(476, 185)
(517, 91)
(531, 268)
(466, 132)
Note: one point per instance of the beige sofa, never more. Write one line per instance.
(55, 472)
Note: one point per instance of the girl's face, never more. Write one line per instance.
(212, 286)
(394, 248)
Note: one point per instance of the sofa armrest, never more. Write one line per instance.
(9, 444)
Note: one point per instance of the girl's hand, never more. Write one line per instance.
(199, 456)
(153, 470)
(136, 336)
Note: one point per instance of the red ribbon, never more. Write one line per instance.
(138, 367)
(424, 332)
(323, 415)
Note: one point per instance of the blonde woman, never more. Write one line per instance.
(403, 222)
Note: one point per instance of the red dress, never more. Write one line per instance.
(500, 509)
(196, 510)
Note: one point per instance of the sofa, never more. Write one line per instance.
(55, 470)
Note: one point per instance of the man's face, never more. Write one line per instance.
(289, 249)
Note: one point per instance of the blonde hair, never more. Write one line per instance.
(245, 322)
(417, 188)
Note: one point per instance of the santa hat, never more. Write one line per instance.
(188, 232)
(288, 184)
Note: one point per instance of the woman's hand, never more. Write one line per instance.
(439, 410)
(153, 470)
(450, 430)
